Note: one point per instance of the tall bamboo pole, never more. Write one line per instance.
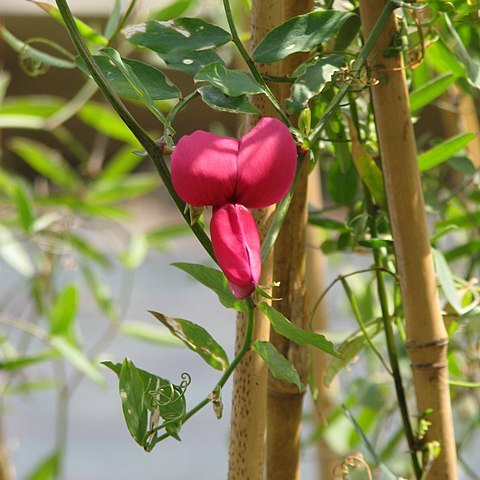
(315, 284)
(248, 424)
(426, 334)
(284, 404)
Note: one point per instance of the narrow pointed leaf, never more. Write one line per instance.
(47, 469)
(280, 367)
(113, 19)
(45, 161)
(445, 277)
(64, 311)
(366, 167)
(173, 10)
(350, 348)
(87, 32)
(430, 91)
(443, 151)
(14, 254)
(77, 358)
(299, 34)
(196, 338)
(149, 333)
(291, 331)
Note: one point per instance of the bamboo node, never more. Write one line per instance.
(413, 345)
(429, 366)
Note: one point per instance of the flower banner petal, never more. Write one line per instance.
(236, 244)
(204, 168)
(267, 161)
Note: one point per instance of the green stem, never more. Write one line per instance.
(356, 69)
(153, 150)
(251, 65)
(358, 316)
(181, 104)
(122, 23)
(225, 377)
(390, 340)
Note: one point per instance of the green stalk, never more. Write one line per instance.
(251, 65)
(224, 378)
(391, 345)
(358, 316)
(153, 150)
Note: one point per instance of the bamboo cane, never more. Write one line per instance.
(284, 404)
(426, 334)
(248, 424)
(315, 274)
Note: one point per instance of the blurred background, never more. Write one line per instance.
(87, 236)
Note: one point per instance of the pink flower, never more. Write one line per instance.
(233, 175)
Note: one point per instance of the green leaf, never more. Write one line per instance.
(11, 364)
(173, 10)
(312, 80)
(87, 32)
(25, 207)
(87, 250)
(439, 56)
(136, 253)
(102, 119)
(77, 358)
(366, 167)
(47, 469)
(132, 394)
(182, 34)
(430, 91)
(342, 184)
(45, 161)
(113, 20)
(443, 151)
(317, 218)
(36, 106)
(26, 51)
(232, 83)
(456, 46)
(280, 367)
(214, 280)
(347, 33)
(445, 277)
(149, 333)
(289, 330)
(190, 61)
(64, 311)
(196, 338)
(159, 237)
(350, 348)
(215, 98)
(155, 82)
(101, 293)
(299, 34)
(14, 254)
(124, 161)
(112, 191)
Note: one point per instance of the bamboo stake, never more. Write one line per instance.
(247, 434)
(315, 275)
(284, 404)
(426, 334)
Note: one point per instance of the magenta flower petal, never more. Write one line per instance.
(204, 168)
(267, 161)
(236, 244)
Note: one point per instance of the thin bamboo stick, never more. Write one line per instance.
(426, 334)
(315, 282)
(248, 424)
(284, 404)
